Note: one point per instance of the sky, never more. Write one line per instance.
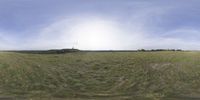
(99, 24)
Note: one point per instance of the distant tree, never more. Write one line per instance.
(142, 50)
(179, 50)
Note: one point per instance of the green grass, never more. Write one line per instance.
(101, 75)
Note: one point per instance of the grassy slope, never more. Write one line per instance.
(101, 74)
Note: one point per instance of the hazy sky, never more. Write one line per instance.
(100, 24)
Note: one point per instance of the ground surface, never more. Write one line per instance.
(100, 76)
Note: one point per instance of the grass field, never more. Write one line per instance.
(101, 76)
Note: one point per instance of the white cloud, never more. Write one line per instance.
(84, 33)
(102, 32)
(7, 42)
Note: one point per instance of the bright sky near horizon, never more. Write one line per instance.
(100, 24)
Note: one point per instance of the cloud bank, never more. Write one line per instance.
(106, 34)
(121, 26)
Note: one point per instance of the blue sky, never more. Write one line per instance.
(100, 24)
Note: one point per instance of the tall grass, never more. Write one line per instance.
(100, 74)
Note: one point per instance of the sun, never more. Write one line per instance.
(94, 34)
